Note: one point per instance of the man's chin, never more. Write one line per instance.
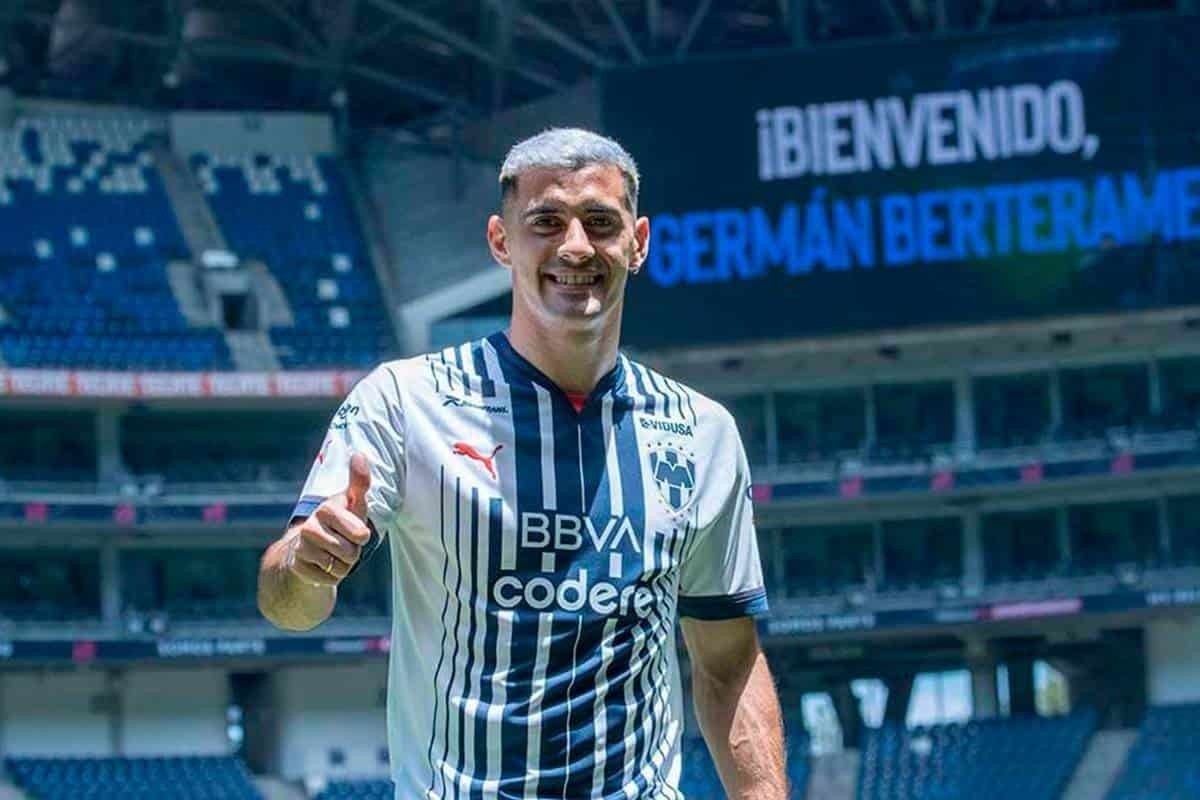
(575, 307)
(582, 314)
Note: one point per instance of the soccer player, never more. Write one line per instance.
(552, 507)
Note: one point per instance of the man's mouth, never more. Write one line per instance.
(591, 279)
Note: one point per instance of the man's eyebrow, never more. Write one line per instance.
(592, 207)
(544, 208)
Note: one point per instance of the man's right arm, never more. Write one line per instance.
(299, 574)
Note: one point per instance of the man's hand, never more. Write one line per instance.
(329, 543)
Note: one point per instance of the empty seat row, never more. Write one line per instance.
(1030, 758)
(151, 778)
(87, 231)
(1164, 763)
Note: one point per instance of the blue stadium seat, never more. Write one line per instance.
(699, 779)
(86, 231)
(151, 778)
(1030, 758)
(294, 213)
(375, 789)
(1164, 763)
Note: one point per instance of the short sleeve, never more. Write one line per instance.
(721, 574)
(370, 421)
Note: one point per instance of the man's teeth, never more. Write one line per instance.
(575, 280)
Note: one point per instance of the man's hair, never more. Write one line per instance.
(567, 148)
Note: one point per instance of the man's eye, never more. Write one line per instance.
(545, 222)
(600, 222)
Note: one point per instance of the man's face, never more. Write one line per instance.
(571, 242)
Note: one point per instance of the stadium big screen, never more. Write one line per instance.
(965, 179)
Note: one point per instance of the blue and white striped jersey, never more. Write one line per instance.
(541, 556)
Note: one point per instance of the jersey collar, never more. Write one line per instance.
(612, 381)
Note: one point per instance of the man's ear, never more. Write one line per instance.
(497, 239)
(641, 238)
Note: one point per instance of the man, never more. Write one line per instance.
(551, 507)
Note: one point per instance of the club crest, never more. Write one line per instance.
(674, 473)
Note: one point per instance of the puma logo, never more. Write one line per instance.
(489, 462)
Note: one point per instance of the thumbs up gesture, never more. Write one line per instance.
(330, 541)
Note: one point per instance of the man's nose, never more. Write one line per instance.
(576, 248)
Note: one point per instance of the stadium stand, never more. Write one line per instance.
(1164, 763)
(223, 447)
(1027, 757)
(377, 789)
(154, 778)
(699, 779)
(294, 214)
(38, 445)
(49, 585)
(86, 231)
(218, 584)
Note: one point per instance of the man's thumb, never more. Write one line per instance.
(360, 482)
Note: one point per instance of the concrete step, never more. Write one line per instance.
(278, 789)
(1101, 764)
(4, 320)
(371, 223)
(189, 295)
(834, 776)
(273, 306)
(196, 219)
(10, 792)
(252, 351)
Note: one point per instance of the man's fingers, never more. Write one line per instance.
(310, 552)
(328, 539)
(311, 573)
(343, 522)
(360, 482)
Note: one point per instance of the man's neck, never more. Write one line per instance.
(574, 360)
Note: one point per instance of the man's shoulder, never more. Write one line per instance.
(388, 376)
(452, 370)
(677, 399)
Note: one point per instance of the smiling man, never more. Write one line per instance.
(552, 507)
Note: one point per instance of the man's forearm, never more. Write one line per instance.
(742, 724)
(285, 599)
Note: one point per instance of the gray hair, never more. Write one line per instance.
(568, 148)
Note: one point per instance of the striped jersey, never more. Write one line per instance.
(541, 555)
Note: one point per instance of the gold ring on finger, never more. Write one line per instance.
(329, 566)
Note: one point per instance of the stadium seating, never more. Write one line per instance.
(86, 230)
(1029, 758)
(1164, 763)
(294, 214)
(156, 778)
(699, 779)
(378, 789)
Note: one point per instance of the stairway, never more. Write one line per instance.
(196, 220)
(273, 307)
(1100, 765)
(10, 792)
(278, 789)
(834, 776)
(252, 351)
(181, 276)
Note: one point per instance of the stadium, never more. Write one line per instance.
(940, 259)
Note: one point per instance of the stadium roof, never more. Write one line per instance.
(399, 61)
